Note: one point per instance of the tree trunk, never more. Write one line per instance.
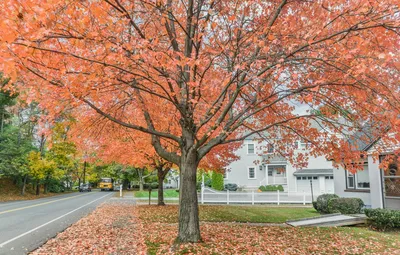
(24, 185)
(140, 175)
(37, 188)
(189, 227)
(46, 184)
(161, 176)
(141, 184)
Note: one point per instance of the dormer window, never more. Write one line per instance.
(270, 148)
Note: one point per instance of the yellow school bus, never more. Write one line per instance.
(106, 184)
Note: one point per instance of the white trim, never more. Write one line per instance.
(255, 172)
(254, 148)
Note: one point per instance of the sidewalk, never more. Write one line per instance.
(112, 228)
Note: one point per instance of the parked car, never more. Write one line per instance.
(85, 187)
(231, 186)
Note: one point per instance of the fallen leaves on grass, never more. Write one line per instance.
(227, 238)
(110, 229)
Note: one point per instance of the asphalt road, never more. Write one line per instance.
(26, 225)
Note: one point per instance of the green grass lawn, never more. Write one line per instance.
(226, 213)
(154, 194)
(255, 214)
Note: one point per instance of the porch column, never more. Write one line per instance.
(267, 176)
(375, 182)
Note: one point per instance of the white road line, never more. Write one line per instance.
(47, 223)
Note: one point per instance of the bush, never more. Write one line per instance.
(314, 204)
(217, 181)
(154, 185)
(383, 219)
(322, 202)
(271, 188)
(345, 205)
(55, 186)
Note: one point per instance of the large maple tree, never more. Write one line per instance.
(218, 70)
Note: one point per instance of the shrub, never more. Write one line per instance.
(345, 205)
(55, 186)
(383, 219)
(217, 181)
(322, 202)
(314, 204)
(271, 188)
(154, 185)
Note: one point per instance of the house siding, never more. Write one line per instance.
(238, 170)
(339, 176)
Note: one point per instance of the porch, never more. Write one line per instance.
(275, 175)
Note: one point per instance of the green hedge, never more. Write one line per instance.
(321, 205)
(217, 181)
(345, 205)
(271, 188)
(383, 219)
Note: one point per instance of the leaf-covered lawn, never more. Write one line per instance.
(231, 238)
(220, 213)
(148, 230)
(243, 239)
(154, 194)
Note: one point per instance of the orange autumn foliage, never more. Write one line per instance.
(198, 75)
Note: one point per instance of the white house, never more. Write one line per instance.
(254, 169)
(378, 188)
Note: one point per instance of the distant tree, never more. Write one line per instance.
(217, 181)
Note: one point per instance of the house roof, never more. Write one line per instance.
(313, 172)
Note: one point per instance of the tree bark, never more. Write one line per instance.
(141, 185)
(45, 186)
(189, 227)
(160, 191)
(140, 175)
(37, 188)
(24, 185)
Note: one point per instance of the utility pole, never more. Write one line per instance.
(84, 172)
(312, 193)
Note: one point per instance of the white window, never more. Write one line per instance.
(360, 180)
(252, 172)
(250, 148)
(350, 180)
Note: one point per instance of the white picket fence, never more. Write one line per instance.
(208, 196)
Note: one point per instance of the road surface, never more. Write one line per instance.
(26, 225)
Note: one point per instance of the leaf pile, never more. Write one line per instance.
(110, 229)
(230, 238)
